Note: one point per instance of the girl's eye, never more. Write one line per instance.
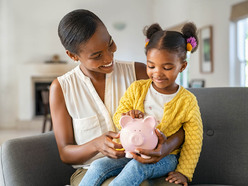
(151, 67)
(167, 68)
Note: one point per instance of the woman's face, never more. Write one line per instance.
(163, 68)
(96, 55)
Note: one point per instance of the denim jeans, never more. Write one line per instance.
(128, 171)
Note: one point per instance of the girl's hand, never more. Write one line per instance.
(157, 154)
(108, 147)
(177, 178)
(134, 114)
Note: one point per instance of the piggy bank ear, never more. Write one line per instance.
(125, 120)
(151, 121)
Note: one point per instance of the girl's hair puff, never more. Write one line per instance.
(171, 41)
(190, 30)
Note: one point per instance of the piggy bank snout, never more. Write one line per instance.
(136, 139)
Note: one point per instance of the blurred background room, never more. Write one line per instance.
(31, 55)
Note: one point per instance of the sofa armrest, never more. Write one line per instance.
(33, 161)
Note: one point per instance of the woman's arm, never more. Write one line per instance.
(62, 125)
(165, 147)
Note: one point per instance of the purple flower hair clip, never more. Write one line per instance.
(191, 43)
(147, 41)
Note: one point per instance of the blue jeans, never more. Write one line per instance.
(128, 171)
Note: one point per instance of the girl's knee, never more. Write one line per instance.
(135, 165)
(98, 164)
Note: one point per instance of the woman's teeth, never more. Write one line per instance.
(108, 65)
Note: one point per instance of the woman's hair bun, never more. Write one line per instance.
(150, 30)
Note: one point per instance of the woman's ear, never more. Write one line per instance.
(72, 56)
(184, 65)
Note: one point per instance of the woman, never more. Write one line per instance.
(83, 100)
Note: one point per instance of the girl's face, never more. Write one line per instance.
(96, 55)
(163, 68)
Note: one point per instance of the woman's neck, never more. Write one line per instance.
(94, 76)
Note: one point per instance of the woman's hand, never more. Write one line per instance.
(108, 147)
(177, 178)
(157, 154)
(134, 114)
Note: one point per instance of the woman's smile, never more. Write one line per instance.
(107, 66)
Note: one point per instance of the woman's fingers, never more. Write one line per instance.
(152, 156)
(161, 137)
(108, 147)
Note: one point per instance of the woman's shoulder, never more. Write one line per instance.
(70, 73)
(138, 68)
(124, 64)
(74, 75)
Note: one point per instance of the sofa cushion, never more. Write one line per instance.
(20, 167)
(223, 159)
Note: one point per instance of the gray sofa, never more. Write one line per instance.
(35, 160)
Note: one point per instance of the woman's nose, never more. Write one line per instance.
(109, 55)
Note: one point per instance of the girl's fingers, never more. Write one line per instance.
(134, 114)
(138, 114)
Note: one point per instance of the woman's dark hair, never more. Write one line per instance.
(77, 27)
(171, 41)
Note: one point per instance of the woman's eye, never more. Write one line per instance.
(98, 56)
(111, 42)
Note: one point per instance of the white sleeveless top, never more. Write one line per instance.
(90, 116)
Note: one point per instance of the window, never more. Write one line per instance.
(242, 50)
(239, 53)
(239, 44)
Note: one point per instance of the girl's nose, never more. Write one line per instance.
(158, 72)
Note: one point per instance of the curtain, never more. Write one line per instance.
(239, 11)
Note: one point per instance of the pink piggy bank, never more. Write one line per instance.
(138, 133)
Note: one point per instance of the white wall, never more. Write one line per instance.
(28, 34)
(202, 13)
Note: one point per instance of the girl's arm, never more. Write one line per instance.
(62, 125)
(191, 148)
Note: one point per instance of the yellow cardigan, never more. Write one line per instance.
(182, 110)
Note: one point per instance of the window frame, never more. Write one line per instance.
(237, 67)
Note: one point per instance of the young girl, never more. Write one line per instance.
(172, 105)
